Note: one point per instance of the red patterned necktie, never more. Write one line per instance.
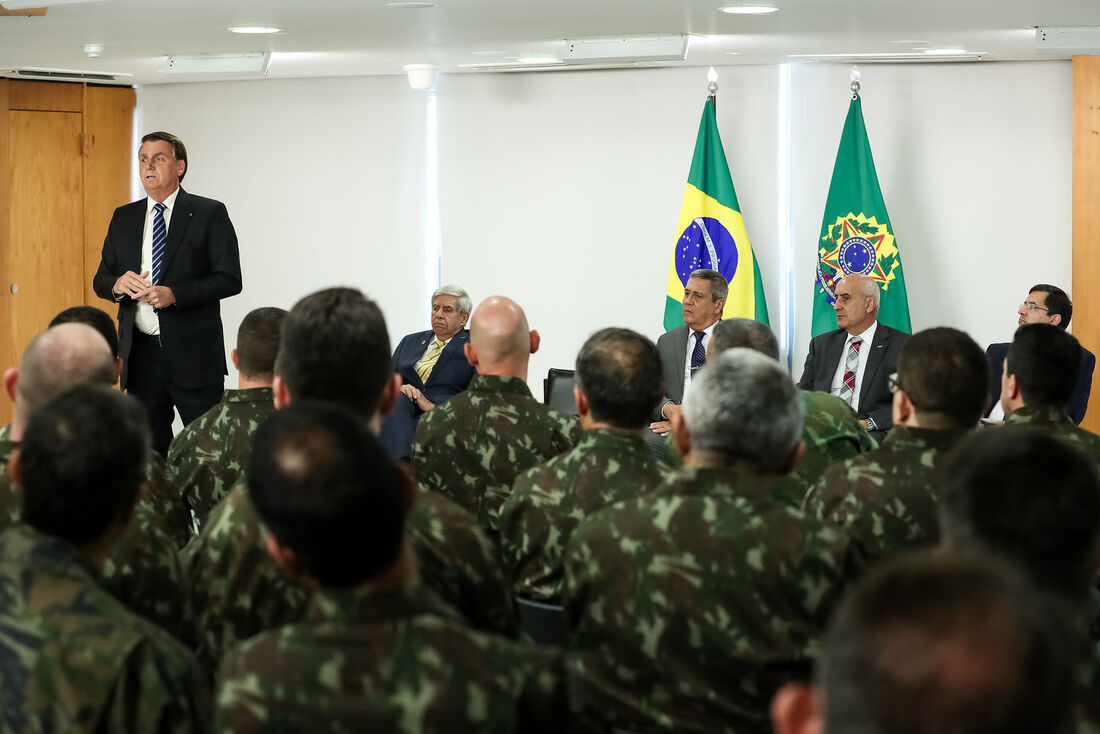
(851, 364)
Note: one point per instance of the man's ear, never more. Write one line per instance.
(284, 557)
(796, 709)
(796, 456)
(11, 376)
(15, 467)
(236, 362)
(902, 408)
(281, 392)
(390, 391)
(720, 303)
(118, 369)
(681, 439)
(471, 354)
(1056, 319)
(535, 340)
(581, 399)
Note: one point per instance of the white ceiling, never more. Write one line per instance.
(355, 37)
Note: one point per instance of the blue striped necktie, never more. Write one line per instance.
(160, 240)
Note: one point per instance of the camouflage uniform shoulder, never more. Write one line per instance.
(689, 607)
(211, 454)
(11, 502)
(72, 658)
(396, 661)
(471, 448)
(459, 562)
(549, 500)
(236, 588)
(832, 433)
(163, 503)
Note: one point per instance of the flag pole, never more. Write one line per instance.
(712, 87)
(855, 82)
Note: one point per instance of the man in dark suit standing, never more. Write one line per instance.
(683, 349)
(168, 260)
(855, 361)
(1045, 304)
(432, 366)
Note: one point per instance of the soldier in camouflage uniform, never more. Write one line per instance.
(472, 448)
(334, 347)
(72, 658)
(209, 455)
(617, 384)
(888, 499)
(143, 571)
(938, 642)
(832, 431)
(376, 651)
(1039, 377)
(690, 606)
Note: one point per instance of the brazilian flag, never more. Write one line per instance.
(856, 236)
(711, 233)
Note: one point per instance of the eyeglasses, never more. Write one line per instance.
(1033, 306)
(892, 382)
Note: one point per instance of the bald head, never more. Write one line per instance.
(500, 341)
(61, 357)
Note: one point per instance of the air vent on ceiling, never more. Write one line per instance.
(899, 58)
(67, 75)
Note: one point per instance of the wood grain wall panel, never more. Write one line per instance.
(1086, 217)
(108, 159)
(46, 96)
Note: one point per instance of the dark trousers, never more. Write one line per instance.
(148, 382)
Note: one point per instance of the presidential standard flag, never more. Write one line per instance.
(856, 236)
(711, 233)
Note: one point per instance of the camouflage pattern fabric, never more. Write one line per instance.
(690, 606)
(210, 454)
(239, 591)
(472, 447)
(887, 500)
(162, 501)
(5, 432)
(832, 434)
(395, 660)
(1056, 422)
(143, 570)
(72, 659)
(548, 502)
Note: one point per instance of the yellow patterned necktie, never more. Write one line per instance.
(424, 366)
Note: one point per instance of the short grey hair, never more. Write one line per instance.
(741, 332)
(870, 289)
(744, 406)
(465, 305)
(719, 286)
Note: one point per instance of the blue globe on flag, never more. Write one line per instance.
(706, 243)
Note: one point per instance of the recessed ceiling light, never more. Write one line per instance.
(410, 4)
(945, 51)
(749, 9)
(908, 42)
(255, 29)
(735, 53)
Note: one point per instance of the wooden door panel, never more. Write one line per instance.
(45, 254)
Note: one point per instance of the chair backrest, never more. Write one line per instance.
(558, 390)
(544, 623)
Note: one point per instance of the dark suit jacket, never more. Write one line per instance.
(875, 399)
(1076, 406)
(672, 347)
(450, 376)
(201, 265)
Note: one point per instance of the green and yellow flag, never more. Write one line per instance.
(711, 233)
(856, 236)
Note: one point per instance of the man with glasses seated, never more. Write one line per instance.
(1045, 304)
(887, 500)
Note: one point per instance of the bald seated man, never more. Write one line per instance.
(855, 361)
(473, 447)
(144, 571)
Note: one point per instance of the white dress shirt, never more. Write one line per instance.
(691, 348)
(146, 318)
(868, 338)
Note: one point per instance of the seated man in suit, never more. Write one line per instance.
(432, 366)
(681, 355)
(855, 361)
(1045, 304)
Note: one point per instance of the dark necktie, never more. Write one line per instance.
(699, 354)
(160, 239)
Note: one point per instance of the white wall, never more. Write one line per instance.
(563, 189)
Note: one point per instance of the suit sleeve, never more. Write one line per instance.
(1079, 403)
(109, 269)
(808, 371)
(223, 278)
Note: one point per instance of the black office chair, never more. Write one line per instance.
(557, 390)
(544, 623)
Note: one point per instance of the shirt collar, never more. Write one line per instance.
(868, 334)
(169, 201)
